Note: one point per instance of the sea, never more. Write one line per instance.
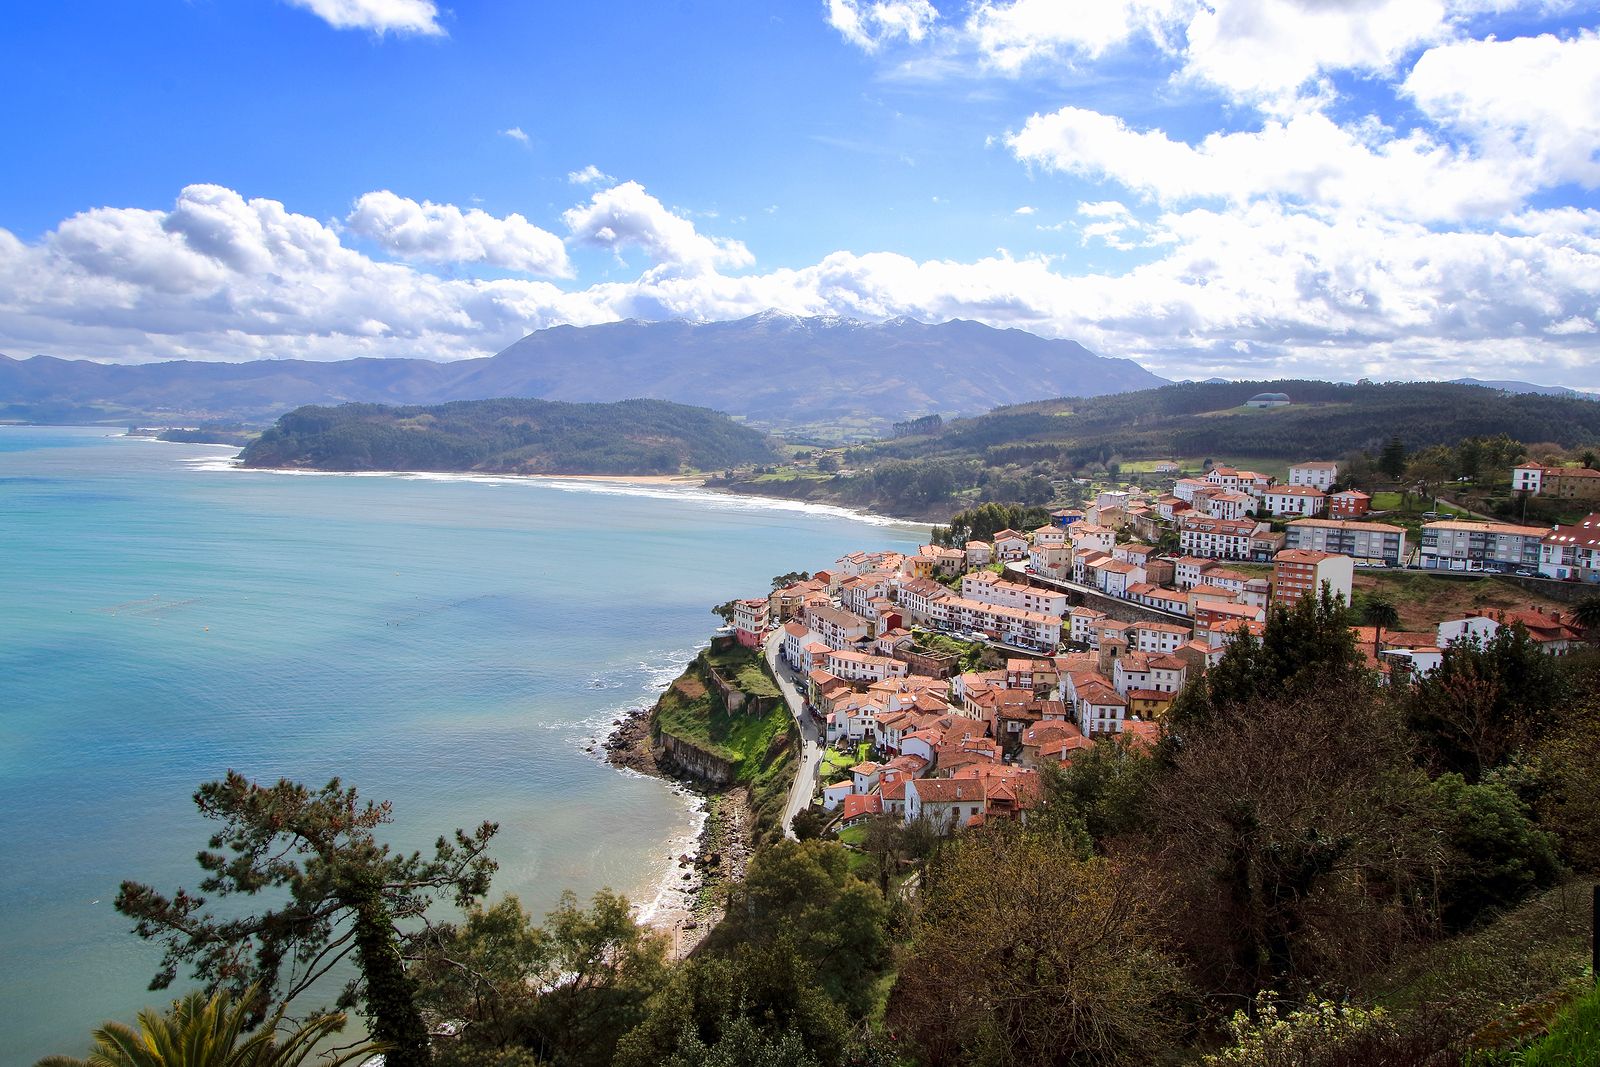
(455, 645)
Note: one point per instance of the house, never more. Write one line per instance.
(979, 553)
(1566, 483)
(1092, 536)
(1081, 626)
(1161, 673)
(1300, 500)
(750, 621)
(1349, 504)
(945, 802)
(1050, 535)
(990, 588)
(1109, 499)
(796, 636)
(861, 667)
(1553, 634)
(858, 807)
(1459, 545)
(836, 627)
(1298, 573)
(1227, 504)
(1052, 561)
(1010, 546)
(1216, 538)
(1188, 570)
(834, 793)
(1572, 551)
(1317, 475)
(1167, 466)
(918, 597)
(1368, 542)
(1052, 741)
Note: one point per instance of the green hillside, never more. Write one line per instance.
(512, 436)
(1192, 418)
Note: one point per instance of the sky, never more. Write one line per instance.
(1394, 189)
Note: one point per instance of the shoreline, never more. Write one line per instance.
(690, 896)
(644, 484)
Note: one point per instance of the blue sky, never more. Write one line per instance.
(1394, 188)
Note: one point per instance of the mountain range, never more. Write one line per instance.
(781, 371)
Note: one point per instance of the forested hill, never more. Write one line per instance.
(1197, 419)
(510, 436)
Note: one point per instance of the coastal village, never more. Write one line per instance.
(1091, 624)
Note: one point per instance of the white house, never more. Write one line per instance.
(1318, 475)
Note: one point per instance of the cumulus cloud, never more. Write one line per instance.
(1261, 289)
(625, 216)
(443, 233)
(590, 175)
(869, 24)
(515, 133)
(380, 16)
(1308, 159)
(1536, 98)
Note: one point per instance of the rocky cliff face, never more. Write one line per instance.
(683, 759)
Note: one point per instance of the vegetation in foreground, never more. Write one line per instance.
(1308, 869)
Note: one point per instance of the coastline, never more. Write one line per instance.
(690, 897)
(641, 484)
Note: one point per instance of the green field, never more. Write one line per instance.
(746, 668)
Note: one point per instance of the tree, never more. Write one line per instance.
(201, 1031)
(1303, 650)
(756, 994)
(1497, 854)
(1298, 838)
(1392, 460)
(1483, 702)
(1026, 955)
(565, 990)
(725, 611)
(802, 892)
(779, 581)
(338, 891)
(1380, 614)
(1586, 612)
(1105, 790)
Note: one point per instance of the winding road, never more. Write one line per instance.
(811, 747)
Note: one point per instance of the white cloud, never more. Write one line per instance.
(869, 24)
(379, 16)
(515, 133)
(221, 277)
(626, 216)
(1307, 159)
(1273, 54)
(1011, 35)
(590, 175)
(1531, 97)
(443, 233)
(1025, 209)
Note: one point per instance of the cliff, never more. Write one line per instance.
(723, 724)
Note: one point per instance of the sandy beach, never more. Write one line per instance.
(689, 480)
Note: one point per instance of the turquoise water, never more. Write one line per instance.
(451, 645)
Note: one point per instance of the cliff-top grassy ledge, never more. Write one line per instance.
(750, 746)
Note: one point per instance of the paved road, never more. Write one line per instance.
(805, 778)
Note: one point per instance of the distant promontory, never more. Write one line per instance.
(510, 436)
